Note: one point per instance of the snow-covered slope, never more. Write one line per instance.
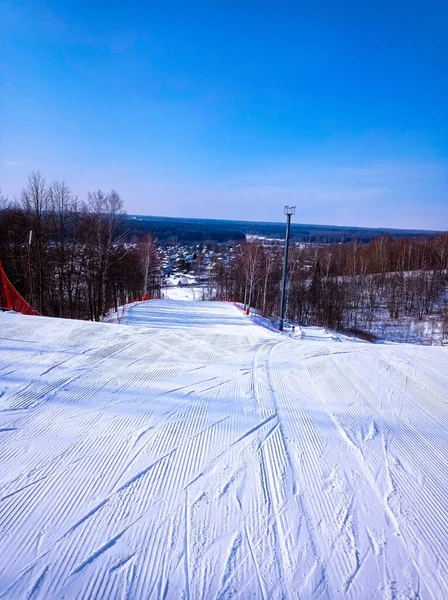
(194, 454)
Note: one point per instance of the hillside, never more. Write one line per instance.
(191, 453)
(218, 230)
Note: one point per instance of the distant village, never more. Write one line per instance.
(185, 265)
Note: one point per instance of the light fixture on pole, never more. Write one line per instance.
(289, 211)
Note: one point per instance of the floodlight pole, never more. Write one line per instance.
(289, 211)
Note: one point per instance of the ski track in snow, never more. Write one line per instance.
(195, 454)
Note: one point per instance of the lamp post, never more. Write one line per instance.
(289, 211)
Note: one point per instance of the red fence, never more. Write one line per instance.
(128, 304)
(10, 299)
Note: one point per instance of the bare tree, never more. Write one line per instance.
(441, 248)
(270, 263)
(63, 208)
(147, 253)
(3, 201)
(34, 201)
(106, 212)
(252, 261)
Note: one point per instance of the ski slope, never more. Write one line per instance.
(195, 454)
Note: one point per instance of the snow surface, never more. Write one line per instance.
(195, 454)
(183, 292)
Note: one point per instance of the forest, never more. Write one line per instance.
(353, 287)
(78, 259)
(182, 230)
(70, 258)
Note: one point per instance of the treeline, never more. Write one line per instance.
(344, 286)
(172, 231)
(70, 258)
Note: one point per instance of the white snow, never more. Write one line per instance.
(184, 292)
(195, 454)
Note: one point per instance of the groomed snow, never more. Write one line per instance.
(176, 292)
(195, 454)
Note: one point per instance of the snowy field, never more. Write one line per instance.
(195, 454)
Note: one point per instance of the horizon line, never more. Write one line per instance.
(292, 223)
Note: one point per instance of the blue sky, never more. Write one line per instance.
(229, 109)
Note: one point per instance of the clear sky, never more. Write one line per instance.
(228, 109)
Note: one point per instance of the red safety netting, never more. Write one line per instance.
(10, 299)
(128, 305)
